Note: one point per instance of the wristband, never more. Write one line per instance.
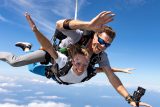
(66, 24)
(129, 99)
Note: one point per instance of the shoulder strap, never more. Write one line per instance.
(58, 35)
(63, 71)
(90, 73)
(95, 58)
(86, 36)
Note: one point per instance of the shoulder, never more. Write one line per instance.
(104, 59)
(61, 57)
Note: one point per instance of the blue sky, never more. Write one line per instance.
(136, 45)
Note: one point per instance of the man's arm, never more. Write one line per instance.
(114, 80)
(116, 83)
(96, 24)
(123, 70)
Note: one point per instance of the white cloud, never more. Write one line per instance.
(51, 97)
(7, 79)
(51, 82)
(10, 100)
(48, 104)
(3, 19)
(30, 97)
(9, 85)
(42, 104)
(39, 93)
(93, 82)
(3, 90)
(26, 90)
(38, 80)
(109, 97)
(43, 81)
(87, 106)
(64, 8)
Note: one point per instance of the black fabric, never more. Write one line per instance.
(66, 24)
(87, 35)
(137, 103)
(47, 59)
(63, 71)
(90, 73)
(59, 35)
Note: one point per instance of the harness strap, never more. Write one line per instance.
(90, 73)
(62, 82)
(63, 71)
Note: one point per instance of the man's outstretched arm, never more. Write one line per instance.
(116, 83)
(96, 24)
(122, 70)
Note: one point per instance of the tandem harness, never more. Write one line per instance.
(54, 71)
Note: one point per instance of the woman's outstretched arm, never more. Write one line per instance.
(45, 43)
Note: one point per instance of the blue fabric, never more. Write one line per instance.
(37, 69)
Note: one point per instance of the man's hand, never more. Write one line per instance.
(127, 70)
(133, 104)
(98, 23)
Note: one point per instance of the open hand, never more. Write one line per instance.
(133, 104)
(98, 23)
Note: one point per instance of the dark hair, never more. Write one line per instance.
(110, 32)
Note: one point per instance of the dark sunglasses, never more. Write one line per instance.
(102, 42)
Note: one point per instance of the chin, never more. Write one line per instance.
(96, 51)
(80, 71)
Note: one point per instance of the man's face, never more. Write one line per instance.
(100, 42)
(80, 63)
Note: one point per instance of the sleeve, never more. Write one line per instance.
(61, 60)
(74, 35)
(104, 60)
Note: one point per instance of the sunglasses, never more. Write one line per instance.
(102, 42)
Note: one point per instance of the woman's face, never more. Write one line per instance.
(80, 63)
